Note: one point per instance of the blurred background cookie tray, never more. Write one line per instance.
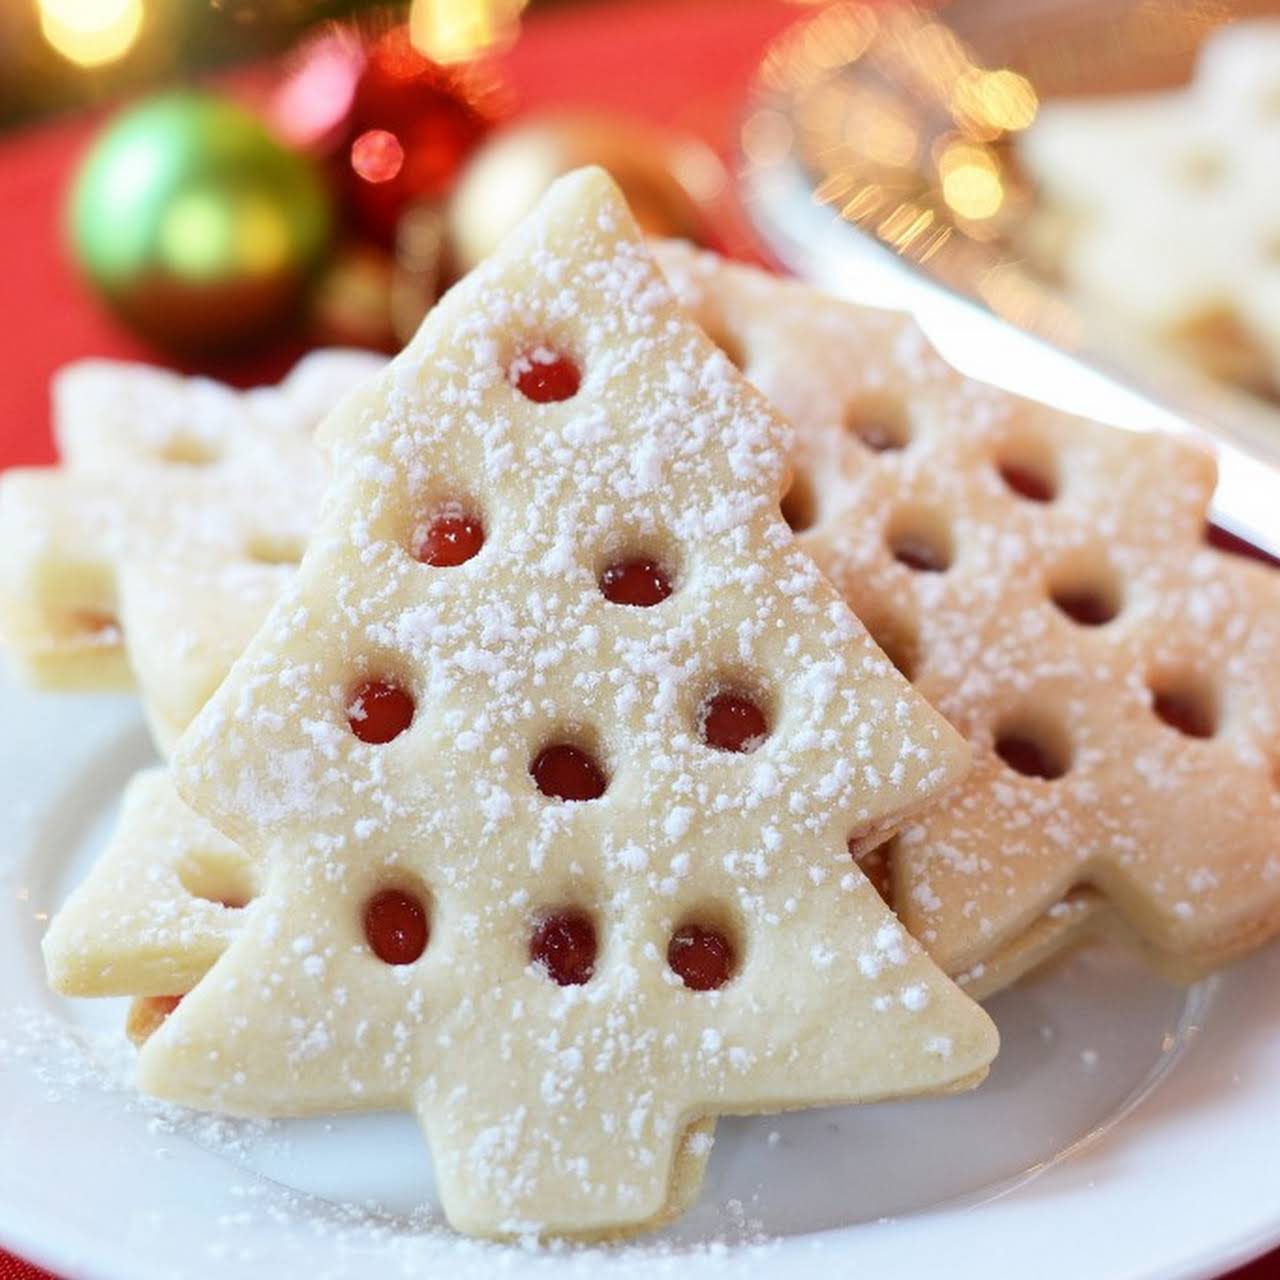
(884, 155)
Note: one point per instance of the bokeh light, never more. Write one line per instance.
(449, 31)
(377, 155)
(91, 33)
(994, 101)
(971, 183)
(203, 231)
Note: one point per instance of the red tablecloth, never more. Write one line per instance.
(677, 62)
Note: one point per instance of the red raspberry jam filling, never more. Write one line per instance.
(564, 947)
(1027, 483)
(451, 539)
(701, 957)
(641, 583)
(732, 722)
(379, 711)
(1087, 608)
(919, 554)
(566, 772)
(1186, 712)
(878, 436)
(395, 926)
(545, 379)
(1025, 755)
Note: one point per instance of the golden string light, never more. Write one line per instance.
(971, 182)
(91, 33)
(898, 125)
(448, 31)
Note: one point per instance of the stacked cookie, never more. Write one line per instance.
(1045, 583)
(534, 798)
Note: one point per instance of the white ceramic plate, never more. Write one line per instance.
(1128, 1128)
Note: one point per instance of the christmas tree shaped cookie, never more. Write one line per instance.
(159, 906)
(184, 624)
(551, 755)
(181, 471)
(1045, 583)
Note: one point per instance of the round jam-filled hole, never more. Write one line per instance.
(1034, 483)
(395, 926)
(379, 710)
(879, 422)
(640, 583)
(920, 542)
(1086, 606)
(733, 722)
(701, 957)
(1188, 707)
(564, 947)
(546, 377)
(565, 772)
(1034, 755)
(451, 539)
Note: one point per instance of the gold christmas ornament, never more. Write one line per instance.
(671, 181)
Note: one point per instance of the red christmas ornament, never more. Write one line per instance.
(411, 125)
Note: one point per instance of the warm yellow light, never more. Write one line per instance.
(971, 182)
(903, 227)
(1000, 100)
(459, 30)
(203, 235)
(91, 33)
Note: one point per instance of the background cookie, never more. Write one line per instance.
(156, 466)
(1044, 583)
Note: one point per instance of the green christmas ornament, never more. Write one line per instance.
(195, 224)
